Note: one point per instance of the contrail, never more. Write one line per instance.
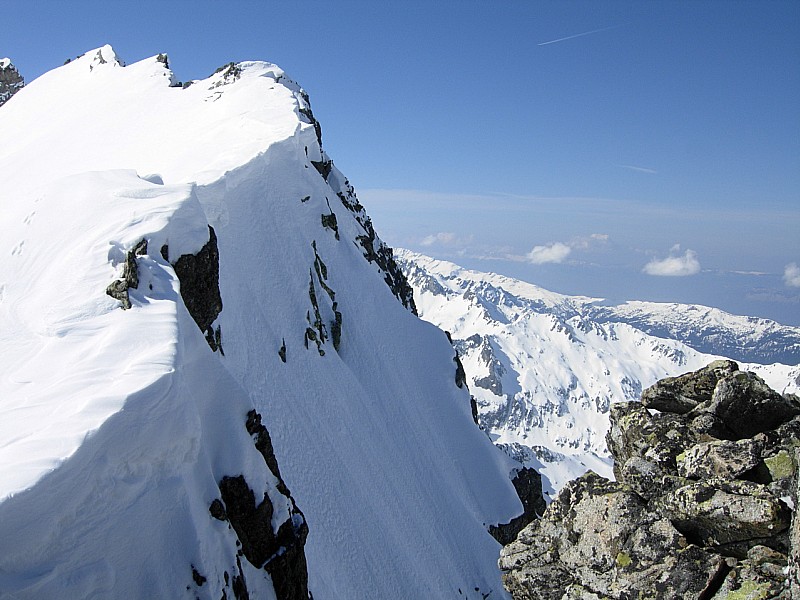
(577, 35)
(639, 169)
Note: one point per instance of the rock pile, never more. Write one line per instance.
(706, 469)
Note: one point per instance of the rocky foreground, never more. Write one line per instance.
(706, 470)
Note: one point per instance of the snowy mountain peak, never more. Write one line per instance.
(196, 317)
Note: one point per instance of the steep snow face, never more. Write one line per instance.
(118, 426)
(545, 368)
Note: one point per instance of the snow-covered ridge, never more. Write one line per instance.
(119, 427)
(5, 63)
(545, 367)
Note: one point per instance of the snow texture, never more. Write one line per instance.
(116, 426)
(545, 368)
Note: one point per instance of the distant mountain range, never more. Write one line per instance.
(544, 367)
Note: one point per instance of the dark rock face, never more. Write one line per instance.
(10, 81)
(280, 552)
(461, 379)
(375, 251)
(199, 277)
(528, 483)
(697, 511)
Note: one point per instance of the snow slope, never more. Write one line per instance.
(116, 426)
(545, 368)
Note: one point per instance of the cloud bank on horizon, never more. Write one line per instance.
(595, 246)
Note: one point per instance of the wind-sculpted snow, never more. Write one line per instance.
(545, 368)
(123, 435)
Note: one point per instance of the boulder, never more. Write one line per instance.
(720, 458)
(702, 506)
(681, 394)
(760, 575)
(717, 511)
(598, 539)
(748, 406)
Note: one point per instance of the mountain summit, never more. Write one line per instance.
(214, 381)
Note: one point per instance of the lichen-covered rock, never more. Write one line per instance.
(720, 458)
(599, 538)
(780, 464)
(748, 406)
(701, 507)
(718, 512)
(681, 394)
(793, 577)
(759, 576)
(645, 446)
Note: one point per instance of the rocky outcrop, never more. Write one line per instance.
(199, 277)
(10, 80)
(279, 550)
(118, 289)
(528, 484)
(794, 540)
(700, 509)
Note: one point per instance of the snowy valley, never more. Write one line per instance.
(545, 368)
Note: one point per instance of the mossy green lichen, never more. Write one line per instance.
(749, 590)
(623, 559)
(781, 466)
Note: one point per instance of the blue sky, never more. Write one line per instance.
(645, 150)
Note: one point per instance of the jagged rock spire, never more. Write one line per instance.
(10, 80)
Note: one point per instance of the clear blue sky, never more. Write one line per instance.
(577, 145)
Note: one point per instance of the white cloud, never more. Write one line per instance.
(441, 237)
(444, 238)
(675, 265)
(556, 252)
(551, 253)
(583, 243)
(791, 275)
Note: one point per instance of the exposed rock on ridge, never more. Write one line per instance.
(10, 80)
(281, 551)
(199, 277)
(699, 509)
